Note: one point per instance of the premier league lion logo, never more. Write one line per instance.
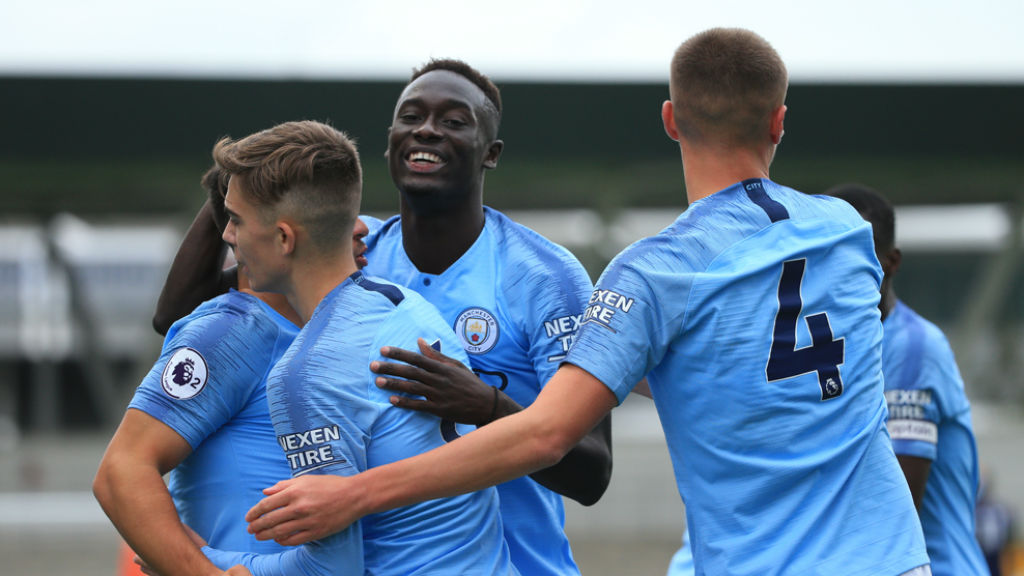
(185, 374)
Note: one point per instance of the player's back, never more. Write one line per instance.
(209, 386)
(930, 418)
(754, 317)
(332, 418)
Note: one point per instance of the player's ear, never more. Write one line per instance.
(493, 152)
(895, 258)
(668, 120)
(285, 237)
(777, 128)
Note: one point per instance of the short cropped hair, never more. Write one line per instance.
(215, 182)
(459, 67)
(874, 208)
(306, 170)
(725, 85)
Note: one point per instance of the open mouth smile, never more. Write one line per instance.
(424, 161)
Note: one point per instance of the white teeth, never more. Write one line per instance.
(425, 156)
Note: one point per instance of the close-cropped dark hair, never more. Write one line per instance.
(459, 67)
(874, 208)
(215, 182)
(725, 85)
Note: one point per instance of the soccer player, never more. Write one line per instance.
(293, 199)
(514, 298)
(929, 414)
(754, 317)
(201, 413)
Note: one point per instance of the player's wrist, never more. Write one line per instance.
(504, 405)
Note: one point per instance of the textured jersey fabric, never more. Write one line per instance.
(330, 418)
(514, 300)
(930, 418)
(209, 386)
(755, 318)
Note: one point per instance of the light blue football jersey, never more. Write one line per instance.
(209, 386)
(930, 417)
(515, 301)
(755, 318)
(330, 418)
(682, 561)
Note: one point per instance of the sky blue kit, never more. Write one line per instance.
(209, 386)
(330, 418)
(930, 418)
(515, 301)
(755, 318)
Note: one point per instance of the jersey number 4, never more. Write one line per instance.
(824, 355)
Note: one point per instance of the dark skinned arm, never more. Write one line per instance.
(916, 471)
(196, 273)
(453, 392)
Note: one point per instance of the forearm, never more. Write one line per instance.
(196, 271)
(136, 500)
(585, 471)
(506, 449)
(520, 444)
(298, 561)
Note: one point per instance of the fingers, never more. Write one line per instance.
(274, 500)
(290, 533)
(404, 386)
(404, 371)
(299, 537)
(412, 358)
(430, 352)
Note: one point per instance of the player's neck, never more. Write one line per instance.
(706, 171)
(313, 279)
(435, 240)
(888, 301)
(276, 301)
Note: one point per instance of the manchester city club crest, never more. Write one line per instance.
(477, 329)
(185, 374)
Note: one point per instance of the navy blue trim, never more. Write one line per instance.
(757, 195)
(389, 291)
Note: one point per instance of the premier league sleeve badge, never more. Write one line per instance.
(185, 374)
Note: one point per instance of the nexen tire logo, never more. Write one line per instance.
(603, 306)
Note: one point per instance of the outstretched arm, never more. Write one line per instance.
(130, 489)
(308, 507)
(453, 392)
(196, 273)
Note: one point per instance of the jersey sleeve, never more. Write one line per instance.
(340, 554)
(552, 308)
(629, 322)
(200, 380)
(916, 412)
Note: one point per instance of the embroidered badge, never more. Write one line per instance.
(185, 374)
(477, 329)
